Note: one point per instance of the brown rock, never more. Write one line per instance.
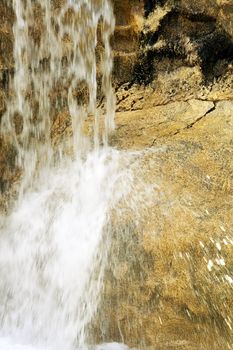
(171, 287)
(141, 129)
(170, 282)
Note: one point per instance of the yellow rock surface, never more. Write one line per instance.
(171, 287)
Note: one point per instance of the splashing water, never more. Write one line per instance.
(6, 344)
(53, 252)
(54, 243)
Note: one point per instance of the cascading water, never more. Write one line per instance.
(55, 49)
(53, 244)
(53, 249)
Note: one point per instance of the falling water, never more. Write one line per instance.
(55, 50)
(53, 249)
(54, 243)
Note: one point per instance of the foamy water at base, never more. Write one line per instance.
(8, 344)
(53, 251)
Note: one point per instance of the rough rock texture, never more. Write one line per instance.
(126, 41)
(182, 33)
(170, 284)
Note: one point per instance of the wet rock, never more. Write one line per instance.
(170, 285)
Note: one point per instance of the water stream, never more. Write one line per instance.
(54, 242)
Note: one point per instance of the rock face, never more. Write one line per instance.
(126, 41)
(170, 282)
(182, 33)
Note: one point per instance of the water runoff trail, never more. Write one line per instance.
(54, 241)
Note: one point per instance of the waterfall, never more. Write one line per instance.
(55, 50)
(53, 250)
(54, 242)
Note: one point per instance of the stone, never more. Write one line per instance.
(140, 129)
(171, 287)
